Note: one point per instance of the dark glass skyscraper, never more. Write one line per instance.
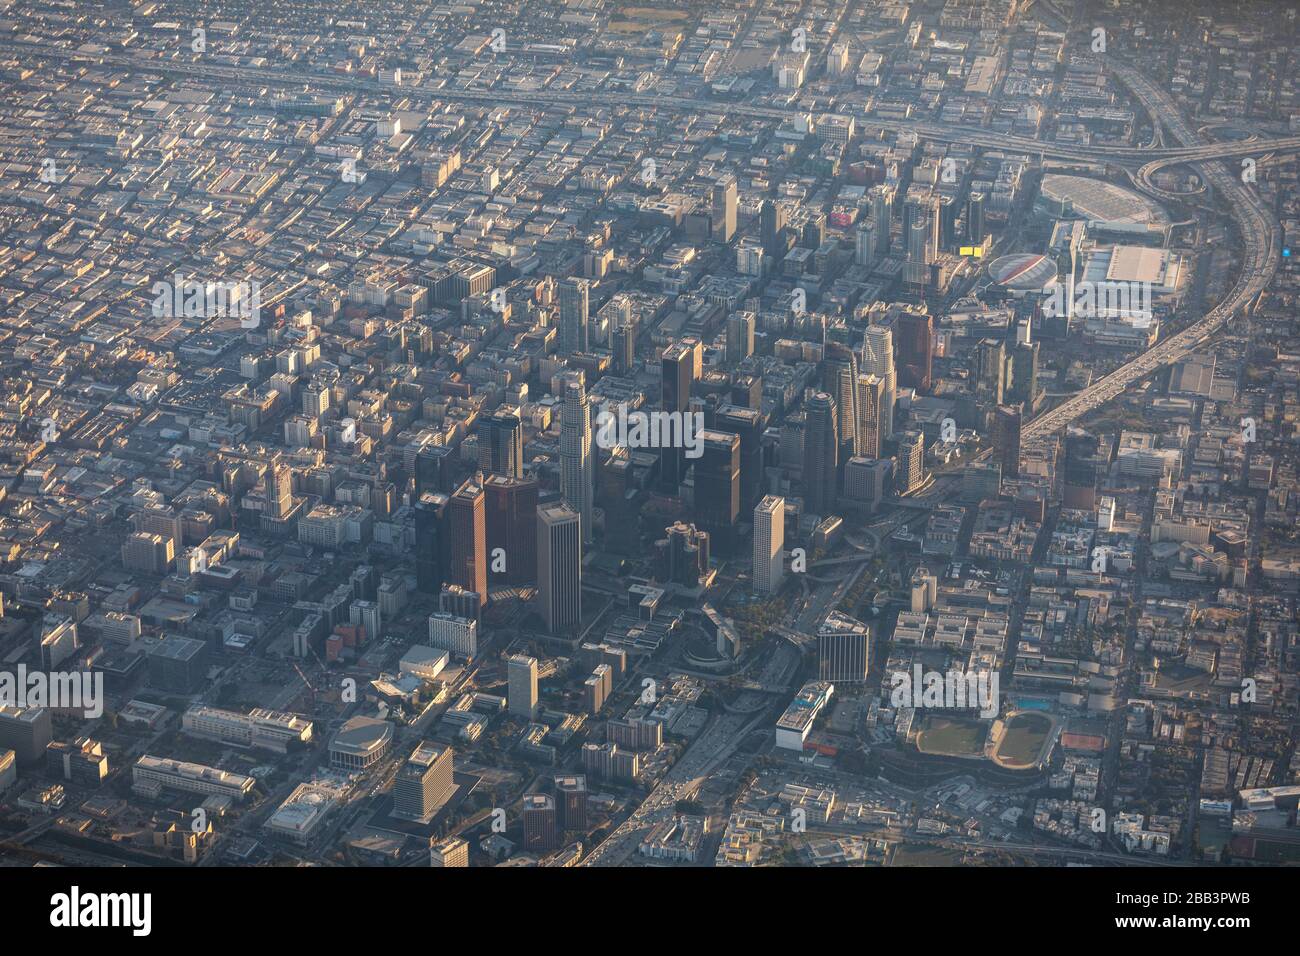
(501, 444)
(511, 521)
(820, 458)
(717, 487)
(575, 306)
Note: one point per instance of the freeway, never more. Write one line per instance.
(1262, 240)
(944, 132)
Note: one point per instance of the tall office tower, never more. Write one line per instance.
(59, 640)
(769, 545)
(624, 348)
(840, 380)
(559, 566)
(451, 852)
(916, 270)
(621, 496)
(747, 424)
(278, 489)
(435, 469)
(465, 540)
(574, 315)
(946, 219)
(541, 823)
(501, 444)
(429, 572)
(577, 467)
(882, 211)
(424, 783)
(975, 218)
(717, 487)
(683, 556)
(864, 245)
(27, 731)
(866, 480)
(521, 686)
(878, 360)
(511, 519)
(740, 336)
(747, 392)
(1024, 375)
(724, 208)
(315, 399)
(1083, 464)
(914, 331)
(820, 447)
(1006, 439)
(990, 365)
(454, 599)
(771, 218)
(814, 231)
(680, 371)
(910, 467)
(571, 801)
(843, 649)
(871, 408)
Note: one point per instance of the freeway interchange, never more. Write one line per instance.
(1259, 231)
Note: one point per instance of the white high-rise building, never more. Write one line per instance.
(878, 359)
(521, 693)
(559, 566)
(769, 544)
(576, 466)
(458, 636)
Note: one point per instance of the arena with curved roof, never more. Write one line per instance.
(1023, 272)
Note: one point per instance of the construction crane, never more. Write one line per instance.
(309, 684)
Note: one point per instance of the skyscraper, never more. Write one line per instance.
(278, 490)
(680, 366)
(740, 336)
(975, 218)
(878, 360)
(424, 783)
(769, 545)
(571, 801)
(820, 459)
(541, 823)
(840, 380)
(1024, 375)
(521, 686)
(871, 407)
(1083, 463)
(1006, 439)
(717, 487)
(511, 520)
(843, 649)
(501, 444)
(990, 368)
(910, 470)
(882, 210)
(916, 270)
(624, 347)
(864, 245)
(914, 330)
(465, 545)
(434, 469)
(577, 469)
(574, 315)
(724, 208)
(429, 570)
(772, 227)
(747, 424)
(559, 566)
